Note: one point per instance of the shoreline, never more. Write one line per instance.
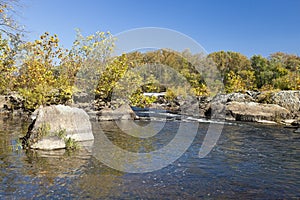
(281, 107)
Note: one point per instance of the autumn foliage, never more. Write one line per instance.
(45, 73)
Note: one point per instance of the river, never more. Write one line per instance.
(249, 161)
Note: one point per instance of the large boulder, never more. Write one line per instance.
(54, 126)
(256, 112)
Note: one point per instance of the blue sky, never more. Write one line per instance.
(246, 26)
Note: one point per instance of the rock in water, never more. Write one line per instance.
(53, 125)
(255, 112)
(124, 112)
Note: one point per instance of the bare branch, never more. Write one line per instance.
(8, 23)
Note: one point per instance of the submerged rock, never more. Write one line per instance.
(54, 126)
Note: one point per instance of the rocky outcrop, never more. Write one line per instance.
(255, 106)
(287, 99)
(54, 126)
(255, 112)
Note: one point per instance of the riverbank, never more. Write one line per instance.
(281, 107)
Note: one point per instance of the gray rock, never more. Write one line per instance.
(287, 99)
(216, 110)
(82, 97)
(204, 105)
(238, 97)
(255, 112)
(48, 121)
(297, 131)
(124, 112)
(190, 107)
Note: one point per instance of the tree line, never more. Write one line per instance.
(44, 73)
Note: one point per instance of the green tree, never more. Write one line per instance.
(110, 77)
(261, 70)
(92, 53)
(232, 62)
(37, 80)
(286, 70)
(176, 61)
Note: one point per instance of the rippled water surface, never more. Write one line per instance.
(249, 161)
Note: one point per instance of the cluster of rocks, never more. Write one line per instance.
(255, 106)
(265, 107)
(251, 106)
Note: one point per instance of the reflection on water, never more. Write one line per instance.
(249, 161)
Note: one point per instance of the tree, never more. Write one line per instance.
(9, 42)
(7, 66)
(92, 53)
(37, 80)
(260, 65)
(110, 76)
(179, 62)
(232, 62)
(286, 70)
(234, 83)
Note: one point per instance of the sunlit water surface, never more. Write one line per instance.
(249, 161)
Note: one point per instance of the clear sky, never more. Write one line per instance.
(246, 26)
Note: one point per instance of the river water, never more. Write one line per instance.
(249, 161)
